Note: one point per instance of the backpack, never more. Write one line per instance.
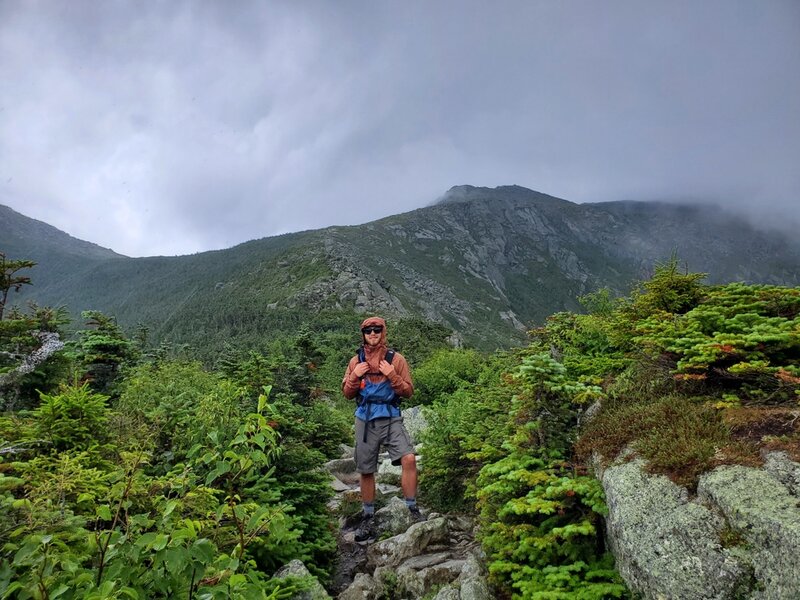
(388, 357)
(394, 402)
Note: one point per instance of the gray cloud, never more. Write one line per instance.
(165, 128)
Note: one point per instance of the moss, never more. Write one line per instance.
(754, 429)
(677, 437)
(730, 538)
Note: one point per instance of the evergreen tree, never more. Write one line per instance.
(103, 351)
(9, 280)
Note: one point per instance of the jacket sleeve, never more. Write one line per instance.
(401, 379)
(350, 383)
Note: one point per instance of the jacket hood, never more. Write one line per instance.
(374, 354)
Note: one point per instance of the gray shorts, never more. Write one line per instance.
(381, 432)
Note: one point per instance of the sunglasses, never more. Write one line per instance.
(372, 329)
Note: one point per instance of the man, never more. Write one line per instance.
(379, 380)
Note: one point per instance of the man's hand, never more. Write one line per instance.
(361, 369)
(386, 368)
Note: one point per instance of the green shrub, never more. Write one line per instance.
(668, 291)
(103, 352)
(79, 532)
(73, 419)
(465, 429)
(173, 405)
(445, 372)
(539, 518)
(742, 339)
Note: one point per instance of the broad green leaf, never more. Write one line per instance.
(170, 506)
(103, 512)
(203, 550)
(27, 550)
(146, 540)
(160, 542)
(58, 591)
(16, 585)
(176, 559)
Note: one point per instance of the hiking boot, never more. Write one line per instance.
(366, 530)
(416, 515)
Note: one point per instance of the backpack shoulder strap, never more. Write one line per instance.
(388, 357)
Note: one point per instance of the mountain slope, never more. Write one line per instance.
(489, 263)
(60, 258)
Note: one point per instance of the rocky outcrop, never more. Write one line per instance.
(766, 516)
(296, 568)
(739, 537)
(784, 470)
(415, 422)
(434, 556)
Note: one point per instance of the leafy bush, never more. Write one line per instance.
(503, 441)
(103, 351)
(445, 372)
(73, 419)
(742, 339)
(308, 437)
(667, 291)
(187, 534)
(589, 346)
(174, 405)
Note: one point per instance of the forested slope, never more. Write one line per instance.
(486, 263)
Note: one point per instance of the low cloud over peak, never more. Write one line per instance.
(179, 127)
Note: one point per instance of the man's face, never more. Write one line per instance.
(372, 335)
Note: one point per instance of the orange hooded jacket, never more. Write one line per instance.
(400, 379)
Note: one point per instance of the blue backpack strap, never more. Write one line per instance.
(395, 402)
(362, 357)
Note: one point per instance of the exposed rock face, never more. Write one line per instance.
(784, 470)
(739, 538)
(296, 568)
(394, 518)
(766, 515)
(415, 423)
(665, 545)
(392, 552)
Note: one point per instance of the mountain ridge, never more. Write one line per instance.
(16, 226)
(488, 263)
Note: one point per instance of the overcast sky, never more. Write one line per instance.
(175, 127)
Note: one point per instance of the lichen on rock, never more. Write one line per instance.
(766, 514)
